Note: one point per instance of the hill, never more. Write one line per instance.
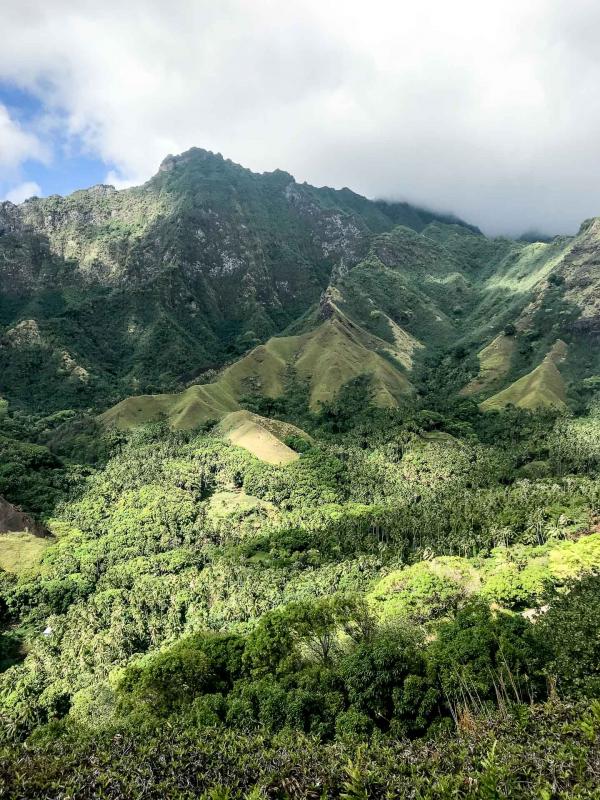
(336, 351)
(262, 437)
(144, 289)
(414, 297)
(543, 387)
(320, 477)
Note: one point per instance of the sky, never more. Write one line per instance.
(490, 109)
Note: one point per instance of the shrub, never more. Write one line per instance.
(569, 633)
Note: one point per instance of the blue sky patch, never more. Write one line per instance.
(70, 167)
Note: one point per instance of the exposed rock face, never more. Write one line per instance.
(143, 289)
(326, 305)
(11, 519)
(25, 333)
(105, 293)
(581, 274)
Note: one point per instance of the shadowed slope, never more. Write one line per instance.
(435, 289)
(148, 287)
(494, 363)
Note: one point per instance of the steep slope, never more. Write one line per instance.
(148, 287)
(106, 293)
(494, 364)
(579, 270)
(543, 387)
(445, 289)
(543, 292)
(326, 358)
(407, 281)
(260, 436)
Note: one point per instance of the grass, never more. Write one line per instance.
(339, 351)
(20, 551)
(187, 409)
(275, 426)
(256, 435)
(543, 387)
(494, 363)
(328, 357)
(525, 268)
(411, 290)
(227, 504)
(405, 345)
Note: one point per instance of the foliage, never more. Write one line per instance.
(409, 608)
(569, 631)
(549, 750)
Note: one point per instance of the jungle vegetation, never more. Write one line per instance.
(320, 485)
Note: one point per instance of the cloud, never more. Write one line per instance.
(487, 109)
(23, 191)
(16, 144)
(116, 179)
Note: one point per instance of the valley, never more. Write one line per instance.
(301, 494)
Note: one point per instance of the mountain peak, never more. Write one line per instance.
(197, 154)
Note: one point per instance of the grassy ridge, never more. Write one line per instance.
(544, 387)
(327, 358)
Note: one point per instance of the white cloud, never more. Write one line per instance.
(16, 144)
(488, 109)
(117, 180)
(23, 191)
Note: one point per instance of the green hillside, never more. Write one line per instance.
(494, 363)
(149, 290)
(149, 287)
(317, 483)
(542, 388)
(326, 358)
(264, 438)
(414, 300)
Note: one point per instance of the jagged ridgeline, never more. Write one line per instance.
(151, 292)
(504, 322)
(368, 516)
(105, 293)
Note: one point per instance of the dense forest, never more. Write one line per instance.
(357, 559)
(410, 607)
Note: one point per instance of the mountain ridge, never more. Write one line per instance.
(146, 291)
(313, 481)
(145, 288)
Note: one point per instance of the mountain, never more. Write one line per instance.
(312, 488)
(511, 323)
(105, 293)
(149, 290)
